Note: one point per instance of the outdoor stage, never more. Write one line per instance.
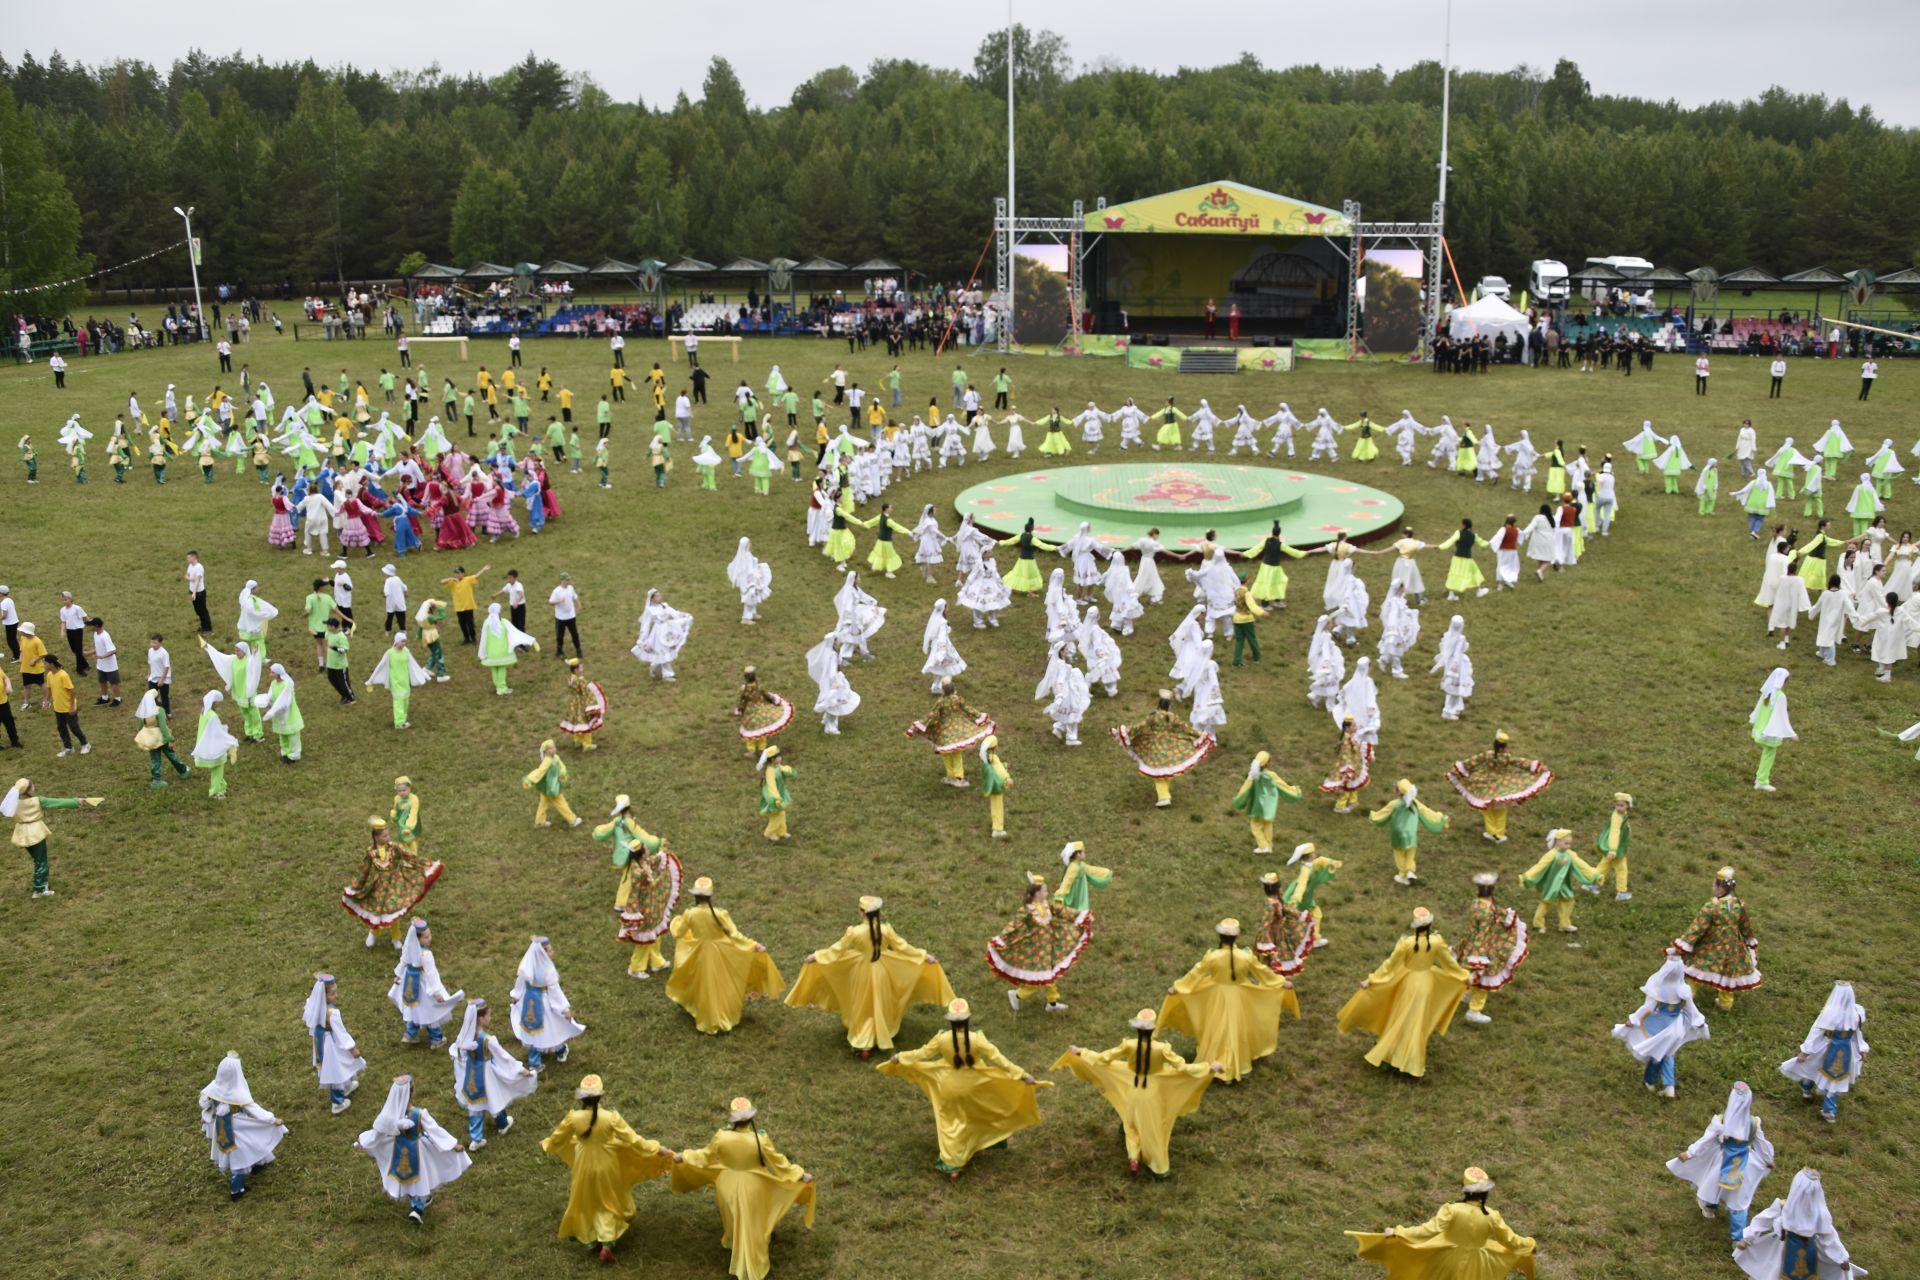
(1122, 500)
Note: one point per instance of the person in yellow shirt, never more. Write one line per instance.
(325, 396)
(491, 395)
(618, 377)
(566, 403)
(460, 589)
(483, 379)
(657, 379)
(544, 382)
(876, 419)
(66, 708)
(33, 666)
(6, 709)
(508, 380)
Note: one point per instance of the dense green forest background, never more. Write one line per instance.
(303, 173)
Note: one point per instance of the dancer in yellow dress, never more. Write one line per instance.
(1409, 999)
(1259, 798)
(716, 966)
(776, 797)
(1555, 877)
(979, 1097)
(608, 1159)
(1148, 1084)
(1464, 1241)
(549, 778)
(754, 1185)
(869, 977)
(1230, 1003)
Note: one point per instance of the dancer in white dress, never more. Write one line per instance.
(487, 1079)
(1244, 427)
(1091, 422)
(1065, 685)
(1146, 578)
(752, 578)
(1526, 461)
(943, 661)
(1099, 651)
(1204, 419)
(1404, 433)
(984, 593)
(1542, 543)
(1455, 667)
(1359, 700)
(860, 617)
(1350, 618)
(836, 697)
(970, 542)
(1209, 712)
(1796, 1237)
(1326, 664)
(1833, 1055)
(1283, 424)
(1326, 437)
(1727, 1163)
(1399, 630)
(541, 1015)
(1446, 444)
(1063, 614)
(1487, 457)
(336, 1060)
(663, 633)
(412, 1153)
(982, 438)
(1086, 552)
(1131, 416)
(1123, 602)
(1016, 442)
(1185, 643)
(927, 542)
(243, 1134)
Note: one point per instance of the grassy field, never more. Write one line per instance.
(184, 928)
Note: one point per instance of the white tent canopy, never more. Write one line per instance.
(1487, 318)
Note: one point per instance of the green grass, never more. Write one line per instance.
(184, 928)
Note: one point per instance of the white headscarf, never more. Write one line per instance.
(1706, 474)
(705, 456)
(315, 1014)
(411, 950)
(1669, 982)
(213, 741)
(1768, 692)
(823, 661)
(469, 1038)
(1737, 1120)
(1359, 698)
(1806, 1213)
(228, 1088)
(938, 628)
(742, 565)
(149, 706)
(536, 966)
(1840, 1012)
(393, 1119)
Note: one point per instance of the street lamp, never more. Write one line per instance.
(193, 261)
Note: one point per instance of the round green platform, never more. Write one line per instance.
(1183, 500)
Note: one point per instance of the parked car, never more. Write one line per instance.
(1494, 287)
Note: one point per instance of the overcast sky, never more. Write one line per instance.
(1692, 52)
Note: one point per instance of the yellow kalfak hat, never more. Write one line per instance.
(1422, 918)
(1724, 873)
(870, 904)
(377, 823)
(547, 745)
(1621, 797)
(741, 1109)
(959, 1011)
(1228, 928)
(1270, 878)
(1501, 736)
(703, 887)
(1145, 1020)
(1403, 786)
(1033, 879)
(590, 1087)
(403, 781)
(1475, 1181)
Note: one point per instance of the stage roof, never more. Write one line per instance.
(1220, 208)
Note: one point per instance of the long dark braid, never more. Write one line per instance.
(1476, 1197)
(1227, 941)
(593, 1119)
(962, 1057)
(1423, 931)
(716, 919)
(873, 933)
(1142, 1059)
(761, 1152)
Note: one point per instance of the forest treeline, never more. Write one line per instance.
(303, 173)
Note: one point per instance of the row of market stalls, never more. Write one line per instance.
(662, 280)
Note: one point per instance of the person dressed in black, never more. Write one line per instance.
(699, 379)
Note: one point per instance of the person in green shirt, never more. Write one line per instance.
(603, 416)
(790, 401)
(320, 608)
(466, 408)
(346, 384)
(1002, 389)
(556, 439)
(339, 640)
(156, 735)
(959, 387)
(1405, 818)
(522, 408)
(387, 383)
(601, 461)
(1612, 845)
(663, 428)
(574, 455)
(1259, 798)
(1307, 884)
(893, 385)
(1559, 872)
(819, 411)
(1082, 877)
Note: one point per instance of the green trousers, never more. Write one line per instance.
(155, 772)
(216, 777)
(1245, 635)
(1768, 751)
(1706, 504)
(436, 660)
(289, 745)
(499, 679)
(1815, 505)
(400, 708)
(251, 727)
(38, 852)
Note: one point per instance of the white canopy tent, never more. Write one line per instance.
(1487, 318)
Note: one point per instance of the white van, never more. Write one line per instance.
(1547, 281)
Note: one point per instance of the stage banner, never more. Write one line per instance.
(1266, 359)
(1220, 208)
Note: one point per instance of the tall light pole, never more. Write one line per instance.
(1436, 247)
(193, 261)
(1009, 110)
